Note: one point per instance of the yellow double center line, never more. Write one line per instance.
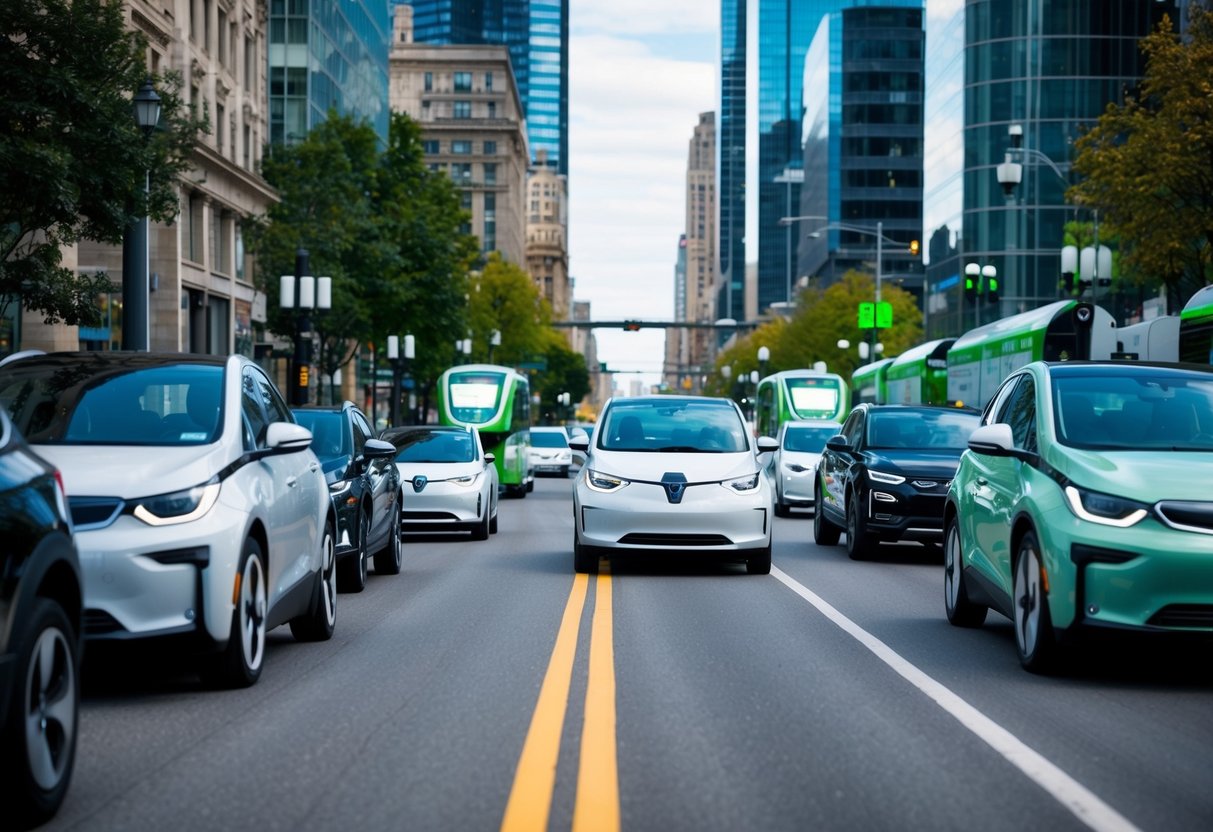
(597, 801)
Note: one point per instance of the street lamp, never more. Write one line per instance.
(790, 176)
(764, 355)
(136, 324)
(494, 342)
(302, 293)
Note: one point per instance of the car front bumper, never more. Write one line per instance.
(796, 487)
(443, 505)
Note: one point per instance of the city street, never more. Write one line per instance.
(828, 695)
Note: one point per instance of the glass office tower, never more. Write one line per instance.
(862, 144)
(536, 32)
(730, 162)
(327, 54)
(1049, 68)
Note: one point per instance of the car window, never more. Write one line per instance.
(673, 425)
(434, 446)
(275, 407)
(914, 429)
(1019, 411)
(1140, 408)
(807, 440)
(995, 406)
(253, 408)
(549, 439)
(362, 431)
(852, 428)
(330, 436)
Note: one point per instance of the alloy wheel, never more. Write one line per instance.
(50, 708)
(1028, 601)
(252, 613)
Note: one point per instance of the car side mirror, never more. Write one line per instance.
(378, 449)
(579, 443)
(286, 438)
(766, 444)
(838, 443)
(490, 458)
(997, 440)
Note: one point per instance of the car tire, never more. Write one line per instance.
(782, 509)
(38, 743)
(564, 472)
(825, 533)
(318, 622)
(859, 541)
(481, 530)
(530, 484)
(760, 562)
(239, 664)
(493, 522)
(960, 610)
(351, 569)
(1034, 638)
(390, 558)
(585, 559)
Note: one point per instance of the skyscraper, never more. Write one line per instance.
(730, 162)
(536, 32)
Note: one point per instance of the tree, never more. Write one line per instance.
(503, 297)
(72, 159)
(1146, 164)
(565, 372)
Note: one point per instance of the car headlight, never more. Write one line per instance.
(179, 506)
(885, 479)
(743, 485)
(1104, 508)
(604, 482)
(464, 481)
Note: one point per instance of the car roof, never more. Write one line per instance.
(110, 358)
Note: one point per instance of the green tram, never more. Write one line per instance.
(497, 401)
(920, 374)
(981, 358)
(799, 394)
(1196, 328)
(869, 383)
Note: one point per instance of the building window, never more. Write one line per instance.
(248, 148)
(488, 81)
(462, 109)
(430, 146)
(490, 173)
(465, 200)
(220, 126)
(490, 148)
(461, 172)
(250, 63)
(492, 109)
(429, 82)
(461, 147)
(222, 55)
(196, 207)
(463, 82)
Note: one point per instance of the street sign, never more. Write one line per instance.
(867, 315)
(884, 315)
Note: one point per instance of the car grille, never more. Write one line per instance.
(93, 512)
(1183, 615)
(652, 539)
(100, 623)
(426, 515)
(1187, 516)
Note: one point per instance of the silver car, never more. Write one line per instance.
(673, 474)
(795, 462)
(449, 482)
(550, 453)
(200, 513)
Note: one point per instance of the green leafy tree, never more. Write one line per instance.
(503, 297)
(565, 372)
(72, 159)
(1146, 164)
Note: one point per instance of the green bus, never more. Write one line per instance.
(981, 358)
(1196, 328)
(497, 401)
(799, 394)
(920, 374)
(869, 383)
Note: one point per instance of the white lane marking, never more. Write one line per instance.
(1065, 789)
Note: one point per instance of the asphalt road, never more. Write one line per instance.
(485, 688)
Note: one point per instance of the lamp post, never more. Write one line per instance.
(764, 355)
(136, 324)
(790, 176)
(302, 293)
(754, 395)
(494, 342)
(393, 357)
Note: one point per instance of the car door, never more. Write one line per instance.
(836, 468)
(380, 480)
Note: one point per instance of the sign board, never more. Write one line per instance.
(884, 315)
(867, 315)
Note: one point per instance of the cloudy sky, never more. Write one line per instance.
(640, 72)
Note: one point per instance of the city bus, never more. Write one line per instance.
(980, 359)
(869, 382)
(1196, 328)
(497, 401)
(799, 394)
(920, 374)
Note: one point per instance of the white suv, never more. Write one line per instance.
(200, 512)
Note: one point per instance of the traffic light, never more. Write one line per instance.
(631, 326)
(992, 289)
(913, 248)
(972, 279)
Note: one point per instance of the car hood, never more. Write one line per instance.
(1148, 476)
(435, 471)
(651, 466)
(916, 463)
(129, 472)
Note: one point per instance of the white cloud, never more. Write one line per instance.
(644, 17)
(632, 113)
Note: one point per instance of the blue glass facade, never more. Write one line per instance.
(730, 162)
(1051, 68)
(327, 54)
(536, 32)
(862, 143)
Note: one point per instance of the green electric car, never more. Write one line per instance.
(1085, 502)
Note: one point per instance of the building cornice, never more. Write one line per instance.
(207, 158)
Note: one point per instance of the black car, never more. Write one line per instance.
(40, 635)
(364, 484)
(885, 476)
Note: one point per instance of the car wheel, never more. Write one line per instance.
(961, 611)
(389, 559)
(1034, 639)
(318, 622)
(760, 562)
(239, 665)
(38, 743)
(564, 472)
(481, 530)
(530, 484)
(781, 508)
(351, 570)
(825, 533)
(493, 522)
(585, 559)
(858, 539)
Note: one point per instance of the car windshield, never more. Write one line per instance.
(114, 404)
(673, 425)
(1143, 409)
(909, 429)
(809, 440)
(549, 439)
(434, 446)
(330, 434)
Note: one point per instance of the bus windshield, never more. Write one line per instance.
(476, 396)
(813, 398)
